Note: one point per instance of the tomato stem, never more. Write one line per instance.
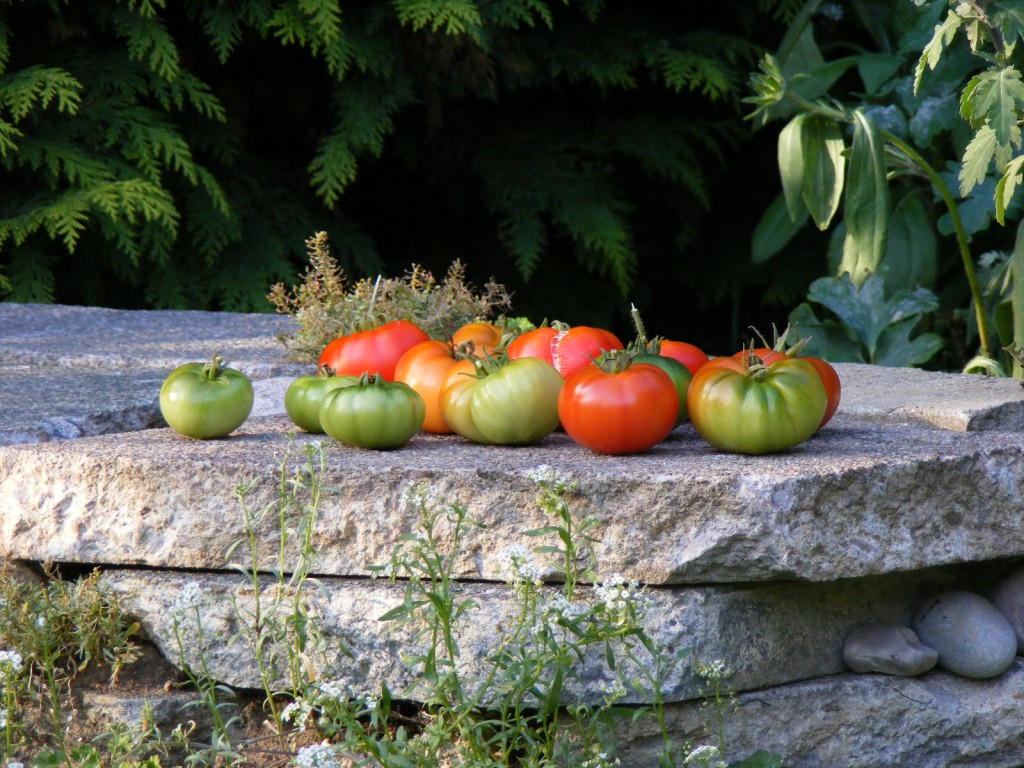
(212, 370)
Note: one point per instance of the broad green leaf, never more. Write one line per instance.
(824, 168)
(911, 252)
(876, 69)
(866, 212)
(826, 339)
(791, 165)
(977, 159)
(1013, 174)
(775, 229)
(1008, 16)
(895, 348)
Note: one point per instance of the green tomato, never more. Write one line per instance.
(757, 409)
(205, 400)
(372, 413)
(676, 371)
(305, 395)
(516, 404)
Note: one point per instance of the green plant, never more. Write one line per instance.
(49, 632)
(325, 306)
(903, 131)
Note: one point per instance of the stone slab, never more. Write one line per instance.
(937, 720)
(855, 500)
(768, 634)
(952, 401)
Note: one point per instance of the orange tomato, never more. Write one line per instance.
(485, 336)
(425, 368)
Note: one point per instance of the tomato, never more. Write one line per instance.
(513, 402)
(485, 336)
(425, 368)
(372, 413)
(829, 377)
(375, 351)
(687, 354)
(677, 372)
(304, 396)
(757, 409)
(833, 389)
(579, 346)
(205, 400)
(618, 411)
(536, 343)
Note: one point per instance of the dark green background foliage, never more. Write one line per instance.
(585, 154)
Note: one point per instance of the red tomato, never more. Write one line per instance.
(535, 343)
(618, 412)
(687, 354)
(424, 367)
(485, 336)
(376, 351)
(577, 347)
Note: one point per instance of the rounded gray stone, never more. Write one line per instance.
(971, 635)
(1008, 596)
(887, 648)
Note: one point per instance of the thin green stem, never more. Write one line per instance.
(961, 236)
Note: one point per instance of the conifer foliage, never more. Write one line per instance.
(178, 154)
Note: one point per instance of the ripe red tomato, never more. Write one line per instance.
(536, 343)
(618, 412)
(374, 351)
(687, 354)
(579, 346)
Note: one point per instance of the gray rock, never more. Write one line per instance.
(972, 637)
(888, 648)
(1008, 596)
(936, 720)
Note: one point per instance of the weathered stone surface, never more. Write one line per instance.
(947, 400)
(972, 637)
(891, 649)
(852, 501)
(937, 720)
(767, 634)
(1008, 596)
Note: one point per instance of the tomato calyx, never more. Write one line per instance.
(214, 369)
(616, 360)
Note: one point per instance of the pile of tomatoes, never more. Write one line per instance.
(377, 388)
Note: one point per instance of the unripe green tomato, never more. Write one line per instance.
(205, 400)
(676, 371)
(305, 395)
(372, 413)
(518, 404)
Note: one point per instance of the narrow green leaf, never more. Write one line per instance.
(1013, 174)
(824, 168)
(1017, 297)
(791, 165)
(775, 229)
(866, 212)
(977, 159)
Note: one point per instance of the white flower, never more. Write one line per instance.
(705, 755)
(15, 765)
(297, 712)
(188, 601)
(712, 671)
(517, 565)
(619, 597)
(323, 755)
(334, 689)
(3, 720)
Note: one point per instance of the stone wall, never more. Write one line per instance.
(914, 489)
